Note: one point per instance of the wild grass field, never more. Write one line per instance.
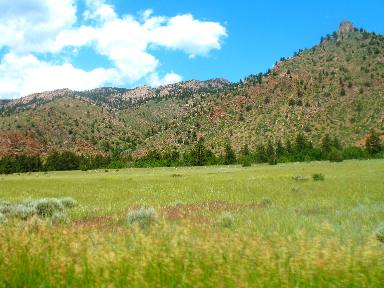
(225, 226)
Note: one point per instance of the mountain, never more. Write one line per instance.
(335, 87)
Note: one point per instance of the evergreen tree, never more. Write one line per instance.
(280, 151)
(229, 156)
(288, 147)
(300, 142)
(198, 153)
(373, 143)
(326, 145)
(271, 153)
(261, 156)
(245, 156)
(336, 143)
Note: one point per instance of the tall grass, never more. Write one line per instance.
(325, 233)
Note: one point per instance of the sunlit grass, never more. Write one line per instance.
(217, 226)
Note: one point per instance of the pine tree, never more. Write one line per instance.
(300, 142)
(245, 156)
(229, 157)
(261, 154)
(280, 151)
(198, 153)
(271, 153)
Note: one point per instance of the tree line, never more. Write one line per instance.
(299, 150)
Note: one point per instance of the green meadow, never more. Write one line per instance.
(218, 226)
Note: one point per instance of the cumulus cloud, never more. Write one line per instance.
(23, 75)
(36, 26)
(170, 78)
(32, 25)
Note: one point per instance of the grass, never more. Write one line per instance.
(309, 234)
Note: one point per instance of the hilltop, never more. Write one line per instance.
(336, 87)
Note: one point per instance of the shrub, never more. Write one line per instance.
(380, 232)
(3, 219)
(266, 201)
(60, 218)
(46, 207)
(68, 202)
(246, 162)
(299, 178)
(144, 217)
(22, 211)
(318, 177)
(335, 156)
(226, 220)
(5, 207)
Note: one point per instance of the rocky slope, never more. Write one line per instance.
(336, 87)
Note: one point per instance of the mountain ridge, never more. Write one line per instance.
(335, 88)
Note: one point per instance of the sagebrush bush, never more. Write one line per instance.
(266, 201)
(47, 207)
(5, 207)
(60, 218)
(380, 232)
(318, 177)
(22, 212)
(144, 217)
(226, 220)
(299, 178)
(68, 202)
(3, 218)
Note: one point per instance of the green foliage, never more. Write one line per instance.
(68, 202)
(52, 208)
(59, 218)
(46, 207)
(335, 155)
(3, 219)
(144, 217)
(63, 161)
(318, 177)
(229, 156)
(380, 232)
(226, 220)
(22, 212)
(266, 202)
(373, 143)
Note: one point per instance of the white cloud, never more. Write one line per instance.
(99, 10)
(26, 75)
(32, 26)
(192, 36)
(170, 78)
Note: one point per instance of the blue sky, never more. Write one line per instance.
(83, 44)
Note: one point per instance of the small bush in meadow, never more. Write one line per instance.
(380, 232)
(5, 207)
(246, 162)
(47, 207)
(226, 220)
(144, 217)
(266, 201)
(22, 212)
(318, 177)
(295, 189)
(68, 202)
(60, 218)
(299, 178)
(3, 219)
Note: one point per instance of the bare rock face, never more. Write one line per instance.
(345, 28)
